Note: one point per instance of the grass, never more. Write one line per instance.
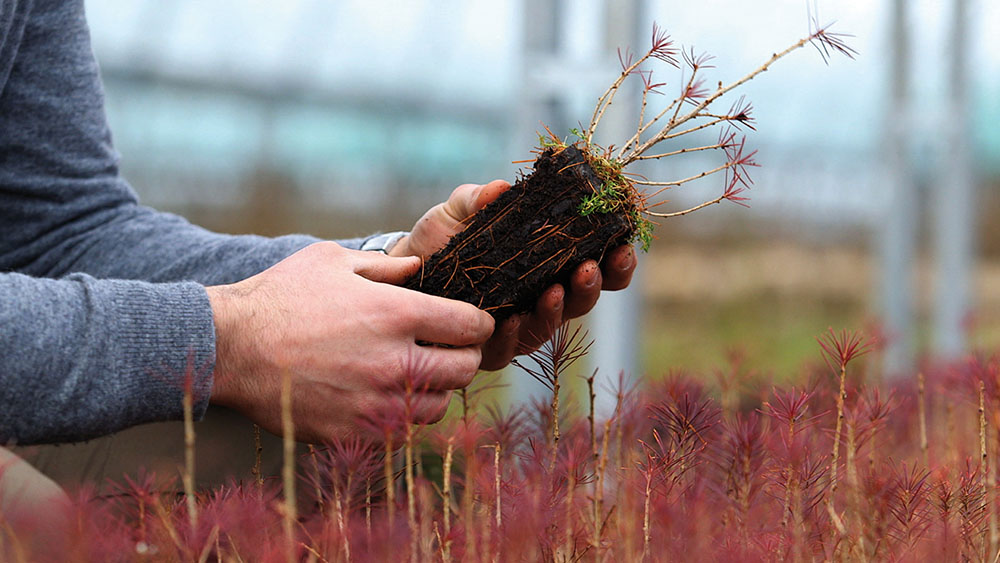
(773, 333)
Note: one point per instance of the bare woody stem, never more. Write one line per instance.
(677, 105)
(634, 140)
(390, 486)
(922, 405)
(446, 496)
(290, 511)
(591, 414)
(555, 421)
(788, 478)
(984, 459)
(609, 95)
(841, 396)
(721, 91)
(411, 493)
(681, 151)
(316, 477)
(189, 440)
(602, 467)
(851, 469)
(496, 480)
(667, 185)
(689, 210)
(645, 516)
(258, 450)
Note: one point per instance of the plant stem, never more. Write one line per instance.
(788, 477)
(555, 420)
(316, 476)
(343, 514)
(446, 485)
(288, 469)
(368, 508)
(496, 481)
(463, 393)
(568, 544)
(841, 397)
(850, 457)
(411, 494)
(258, 450)
(721, 91)
(192, 505)
(645, 516)
(922, 412)
(590, 415)
(991, 482)
(390, 487)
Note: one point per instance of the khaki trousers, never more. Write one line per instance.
(34, 512)
(224, 451)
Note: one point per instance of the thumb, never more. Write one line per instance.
(467, 199)
(378, 267)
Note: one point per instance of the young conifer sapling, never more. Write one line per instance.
(580, 200)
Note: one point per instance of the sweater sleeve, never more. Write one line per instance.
(82, 357)
(65, 207)
(83, 350)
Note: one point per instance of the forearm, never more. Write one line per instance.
(64, 207)
(86, 357)
(143, 244)
(136, 242)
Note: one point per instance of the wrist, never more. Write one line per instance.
(401, 248)
(225, 315)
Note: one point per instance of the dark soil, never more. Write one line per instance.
(531, 237)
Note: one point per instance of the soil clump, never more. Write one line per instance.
(532, 236)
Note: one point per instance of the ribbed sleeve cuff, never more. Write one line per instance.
(164, 345)
(85, 357)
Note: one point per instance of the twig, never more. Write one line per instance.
(290, 510)
(922, 411)
(192, 505)
(258, 450)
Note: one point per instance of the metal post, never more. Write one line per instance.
(899, 235)
(570, 46)
(615, 321)
(954, 202)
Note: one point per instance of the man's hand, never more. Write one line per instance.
(519, 334)
(335, 322)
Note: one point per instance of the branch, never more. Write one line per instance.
(822, 37)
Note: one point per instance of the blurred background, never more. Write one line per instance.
(873, 205)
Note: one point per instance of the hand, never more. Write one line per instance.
(335, 322)
(520, 334)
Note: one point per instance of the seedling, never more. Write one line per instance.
(580, 200)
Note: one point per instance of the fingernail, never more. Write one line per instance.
(628, 261)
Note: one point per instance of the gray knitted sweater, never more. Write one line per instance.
(103, 313)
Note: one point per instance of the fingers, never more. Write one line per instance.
(489, 192)
(501, 348)
(438, 368)
(378, 267)
(585, 288)
(539, 326)
(428, 408)
(467, 199)
(618, 267)
(391, 414)
(446, 321)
